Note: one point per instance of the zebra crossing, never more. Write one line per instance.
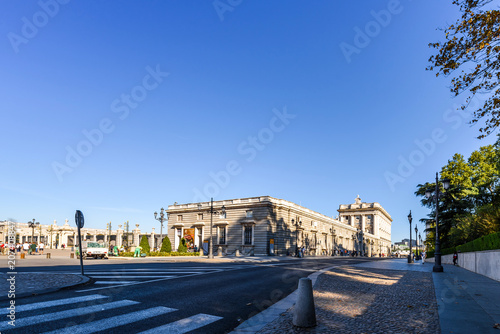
(76, 308)
(104, 279)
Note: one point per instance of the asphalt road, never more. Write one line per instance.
(151, 294)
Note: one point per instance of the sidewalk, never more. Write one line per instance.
(391, 296)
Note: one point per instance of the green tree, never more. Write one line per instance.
(166, 246)
(472, 44)
(145, 244)
(182, 247)
(470, 208)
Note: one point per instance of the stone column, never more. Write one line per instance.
(119, 234)
(136, 232)
(152, 239)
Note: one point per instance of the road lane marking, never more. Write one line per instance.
(115, 321)
(22, 322)
(120, 273)
(114, 282)
(129, 276)
(184, 325)
(29, 307)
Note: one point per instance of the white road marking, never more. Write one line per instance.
(129, 276)
(120, 273)
(34, 306)
(113, 322)
(184, 325)
(21, 322)
(114, 282)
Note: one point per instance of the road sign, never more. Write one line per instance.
(79, 219)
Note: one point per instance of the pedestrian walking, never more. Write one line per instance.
(26, 247)
(33, 249)
(455, 258)
(40, 247)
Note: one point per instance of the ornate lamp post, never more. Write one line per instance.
(359, 238)
(108, 226)
(410, 258)
(297, 225)
(161, 219)
(212, 212)
(33, 225)
(438, 268)
(416, 240)
(333, 232)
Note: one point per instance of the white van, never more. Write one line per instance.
(94, 249)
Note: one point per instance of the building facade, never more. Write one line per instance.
(270, 226)
(54, 235)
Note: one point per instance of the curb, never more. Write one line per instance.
(85, 280)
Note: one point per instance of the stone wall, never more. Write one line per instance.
(486, 263)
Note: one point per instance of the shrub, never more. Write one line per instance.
(182, 247)
(145, 244)
(166, 246)
(487, 242)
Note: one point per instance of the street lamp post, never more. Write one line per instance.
(33, 225)
(410, 258)
(438, 268)
(297, 224)
(416, 240)
(359, 238)
(333, 232)
(108, 225)
(212, 212)
(161, 219)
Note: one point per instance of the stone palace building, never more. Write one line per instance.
(248, 226)
(269, 226)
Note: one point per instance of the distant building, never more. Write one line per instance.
(54, 236)
(270, 226)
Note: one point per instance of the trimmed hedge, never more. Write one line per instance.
(182, 247)
(166, 246)
(145, 244)
(487, 242)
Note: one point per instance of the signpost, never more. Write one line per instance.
(79, 220)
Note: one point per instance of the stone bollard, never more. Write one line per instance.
(219, 251)
(237, 252)
(23, 256)
(48, 255)
(304, 313)
(71, 255)
(201, 252)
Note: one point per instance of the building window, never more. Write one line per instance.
(222, 235)
(249, 214)
(247, 235)
(200, 216)
(179, 218)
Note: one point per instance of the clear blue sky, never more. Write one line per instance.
(312, 102)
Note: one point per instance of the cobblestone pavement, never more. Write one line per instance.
(366, 300)
(34, 283)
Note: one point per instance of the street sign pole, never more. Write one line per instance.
(79, 220)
